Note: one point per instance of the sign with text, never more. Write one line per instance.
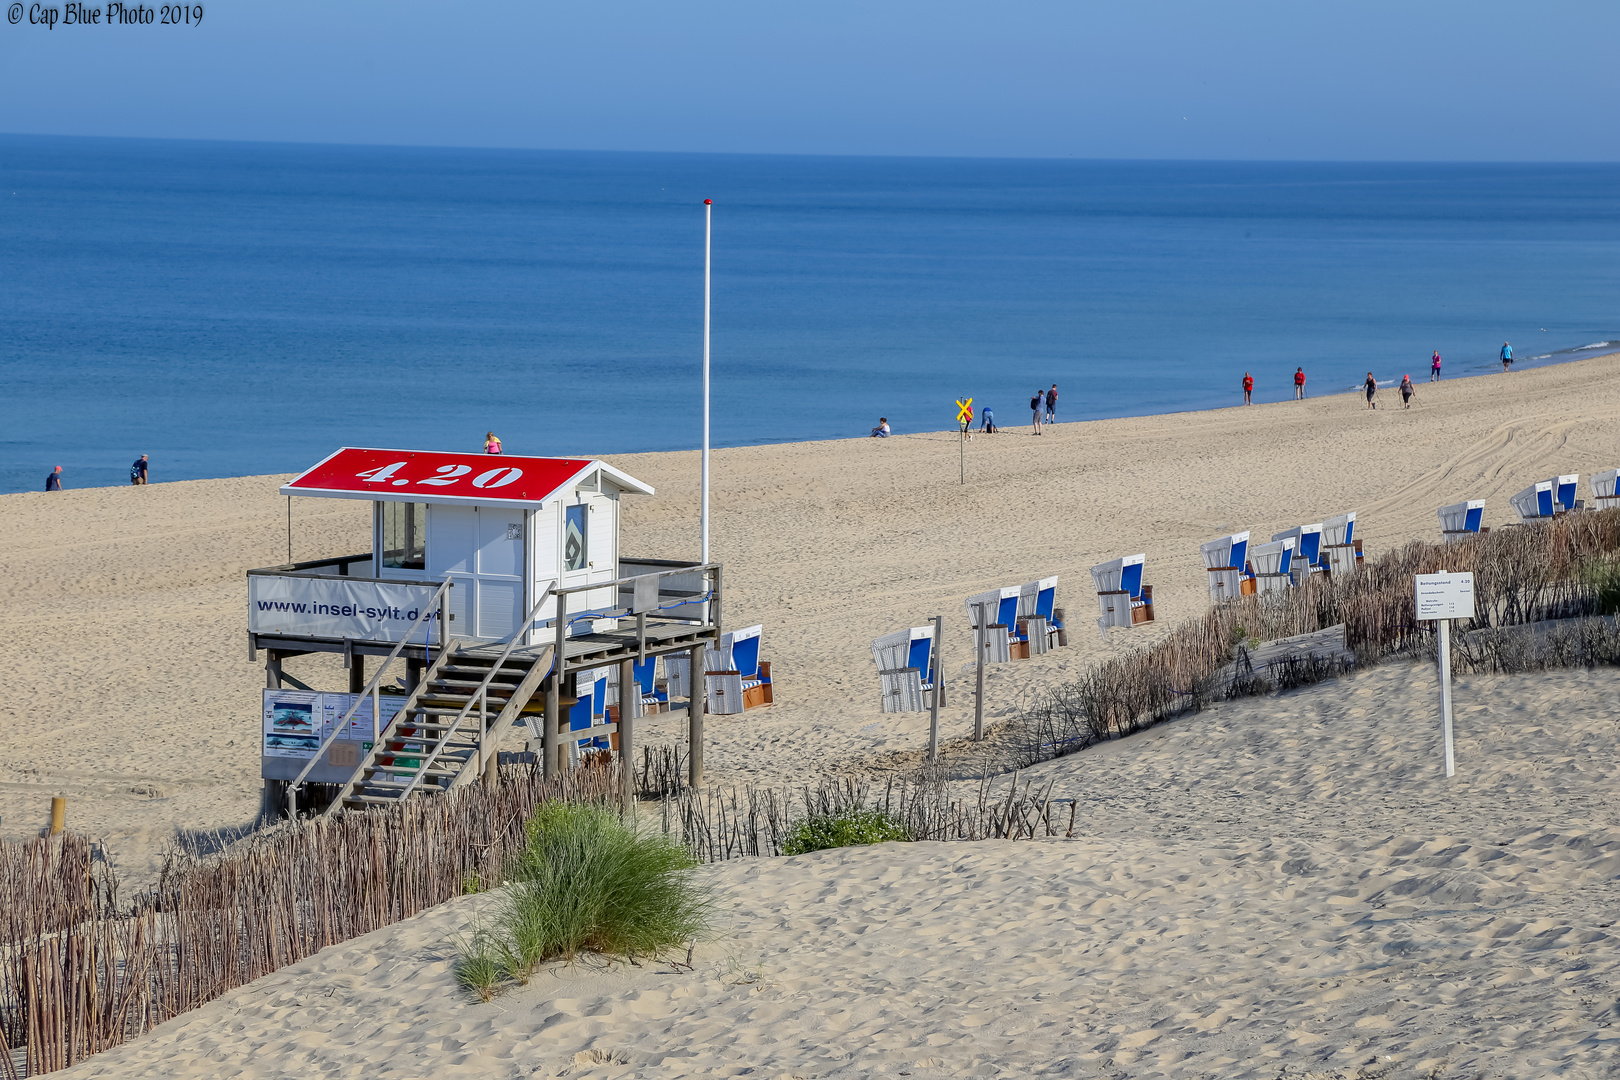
(360, 608)
(1445, 596)
(297, 722)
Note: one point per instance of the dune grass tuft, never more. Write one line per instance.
(851, 827)
(588, 881)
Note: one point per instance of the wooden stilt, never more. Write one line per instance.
(629, 692)
(696, 705)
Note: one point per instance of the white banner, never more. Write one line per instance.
(360, 608)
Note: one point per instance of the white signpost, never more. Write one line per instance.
(1441, 598)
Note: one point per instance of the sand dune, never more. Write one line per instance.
(1278, 887)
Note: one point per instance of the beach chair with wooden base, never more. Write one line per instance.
(999, 607)
(1340, 551)
(654, 698)
(1604, 494)
(1224, 560)
(905, 661)
(736, 680)
(1122, 598)
(1040, 621)
(1272, 564)
(1307, 558)
(1462, 519)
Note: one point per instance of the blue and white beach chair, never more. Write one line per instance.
(1462, 519)
(1224, 560)
(1273, 564)
(1307, 550)
(1037, 607)
(1121, 597)
(653, 697)
(1604, 494)
(1340, 551)
(1565, 488)
(588, 710)
(905, 661)
(999, 608)
(1536, 502)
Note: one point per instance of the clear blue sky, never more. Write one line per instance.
(1302, 79)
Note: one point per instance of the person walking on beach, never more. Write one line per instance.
(1037, 403)
(1299, 384)
(492, 445)
(1434, 367)
(882, 430)
(1507, 356)
(1407, 390)
(1051, 405)
(53, 482)
(1372, 388)
(1248, 386)
(137, 471)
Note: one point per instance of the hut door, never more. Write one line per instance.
(481, 547)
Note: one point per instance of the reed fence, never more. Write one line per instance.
(81, 973)
(1562, 569)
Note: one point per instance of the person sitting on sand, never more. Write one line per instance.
(1248, 386)
(882, 430)
(1372, 388)
(1407, 390)
(492, 445)
(1299, 384)
(1434, 367)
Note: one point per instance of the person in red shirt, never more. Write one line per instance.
(1248, 386)
(1299, 384)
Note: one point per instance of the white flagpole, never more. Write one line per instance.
(708, 232)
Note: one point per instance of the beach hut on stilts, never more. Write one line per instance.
(495, 596)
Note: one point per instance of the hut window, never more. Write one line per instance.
(404, 535)
(576, 537)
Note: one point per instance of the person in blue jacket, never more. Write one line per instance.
(1507, 357)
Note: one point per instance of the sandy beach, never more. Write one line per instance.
(130, 690)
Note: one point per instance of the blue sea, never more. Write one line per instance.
(231, 309)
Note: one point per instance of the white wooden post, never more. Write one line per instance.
(939, 689)
(1445, 693)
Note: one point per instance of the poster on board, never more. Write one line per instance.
(292, 723)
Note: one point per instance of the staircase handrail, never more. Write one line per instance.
(371, 689)
(481, 693)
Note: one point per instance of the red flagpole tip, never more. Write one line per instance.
(708, 202)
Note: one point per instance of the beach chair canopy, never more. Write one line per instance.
(1000, 606)
(1272, 558)
(1120, 575)
(1307, 540)
(1463, 516)
(1340, 530)
(1535, 501)
(1225, 551)
(745, 650)
(1603, 483)
(1037, 598)
(1564, 489)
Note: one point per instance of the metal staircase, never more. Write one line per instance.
(450, 727)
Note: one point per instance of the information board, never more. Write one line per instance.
(296, 722)
(1445, 596)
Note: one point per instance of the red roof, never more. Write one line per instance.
(430, 476)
